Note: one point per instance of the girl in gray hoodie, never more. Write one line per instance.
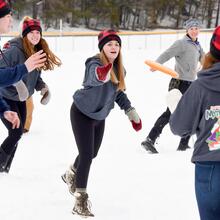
(11, 75)
(16, 52)
(198, 112)
(103, 85)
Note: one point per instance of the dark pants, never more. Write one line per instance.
(165, 117)
(207, 188)
(88, 135)
(10, 143)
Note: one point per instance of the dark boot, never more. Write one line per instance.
(184, 144)
(148, 145)
(183, 147)
(11, 157)
(4, 158)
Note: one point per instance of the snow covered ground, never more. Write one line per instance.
(125, 182)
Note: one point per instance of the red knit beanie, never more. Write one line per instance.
(215, 43)
(107, 35)
(30, 25)
(4, 8)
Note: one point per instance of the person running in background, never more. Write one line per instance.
(17, 52)
(198, 112)
(187, 53)
(11, 75)
(103, 85)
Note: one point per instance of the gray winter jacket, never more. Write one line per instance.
(187, 54)
(12, 56)
(198, 112)
(96, 98)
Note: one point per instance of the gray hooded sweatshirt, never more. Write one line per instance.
(198, 112)
(187, 54)
(96, 98)
(14, 55)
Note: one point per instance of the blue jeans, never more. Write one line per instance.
(207, 188)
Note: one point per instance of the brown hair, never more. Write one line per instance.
(116, 77)
(208, 61)
(52, 59)
(29, 49)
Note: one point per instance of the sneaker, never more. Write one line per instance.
(69, 178)
(183, 147)
(148, 145)
(82, 205)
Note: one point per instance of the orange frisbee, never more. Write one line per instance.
(157, 66)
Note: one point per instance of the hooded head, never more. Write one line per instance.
(107, 35)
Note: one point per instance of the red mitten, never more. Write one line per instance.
(102, 71)
(137, 126)
(6, 46)
(134, 118)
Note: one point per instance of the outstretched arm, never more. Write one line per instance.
(174, 50)
(10, 75)
(125, 104)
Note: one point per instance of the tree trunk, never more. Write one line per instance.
(210, 12)
(34, 10)
(217, 16)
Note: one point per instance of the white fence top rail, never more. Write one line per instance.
(131, 40)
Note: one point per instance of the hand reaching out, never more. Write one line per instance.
(35, 61)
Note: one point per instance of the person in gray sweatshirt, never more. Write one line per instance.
(187, 53)
(16, 52)
(11, 75)
(198, 112)
(103, 85)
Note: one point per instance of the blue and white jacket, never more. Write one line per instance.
(8, 76)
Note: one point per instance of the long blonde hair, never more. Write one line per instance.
(116, 77)
(29, 49)
(208, 61)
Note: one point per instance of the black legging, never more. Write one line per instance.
(88, 135)
(165, 117)
(14, 135)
